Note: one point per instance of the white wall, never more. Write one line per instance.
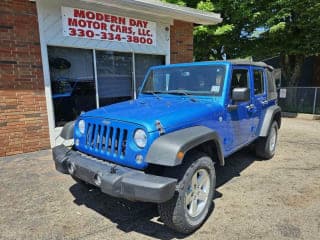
(50, 27)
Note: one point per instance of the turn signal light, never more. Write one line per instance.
(180, 155)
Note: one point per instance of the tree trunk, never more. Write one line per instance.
(291, 69)
(316, 72)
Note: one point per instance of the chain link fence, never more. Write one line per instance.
(299, 99)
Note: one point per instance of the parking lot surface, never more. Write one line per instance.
(255, 199)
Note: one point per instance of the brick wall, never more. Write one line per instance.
(23, 114)
(181, 44)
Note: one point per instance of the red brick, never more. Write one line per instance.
(181, 42)
(22, 97)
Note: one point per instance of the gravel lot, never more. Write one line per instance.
(275, 199)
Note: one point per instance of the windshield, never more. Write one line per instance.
(193, 80)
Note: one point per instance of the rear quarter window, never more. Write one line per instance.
(272, 91)
(258, 81)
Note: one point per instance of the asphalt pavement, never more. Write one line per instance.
(255, 199)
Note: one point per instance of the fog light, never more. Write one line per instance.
(97, 179)
(77, 142)
(71, 168)
(139, 159)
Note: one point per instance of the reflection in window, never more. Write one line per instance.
(114, 73)
(143, 62)
(72, 82)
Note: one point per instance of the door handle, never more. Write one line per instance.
(232, 107)
(250, 107)
(264, 102)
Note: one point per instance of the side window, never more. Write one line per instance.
(240, 79)
(258, 81)
(272, 91)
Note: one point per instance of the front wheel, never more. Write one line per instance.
(266, 146)
(189, 207)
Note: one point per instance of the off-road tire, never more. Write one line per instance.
(174, 213)
(263, 148)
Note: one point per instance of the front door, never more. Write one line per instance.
(241, 118)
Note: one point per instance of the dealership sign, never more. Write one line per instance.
(107, 27)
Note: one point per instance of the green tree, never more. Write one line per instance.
(261, 29)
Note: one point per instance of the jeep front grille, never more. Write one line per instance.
(106, 138)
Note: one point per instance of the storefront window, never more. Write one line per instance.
(114, 72)
(143, 62)
(72, 82)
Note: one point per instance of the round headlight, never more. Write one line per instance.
(140, 138)
(82, 126)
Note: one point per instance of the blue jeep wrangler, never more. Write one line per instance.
(162, 147)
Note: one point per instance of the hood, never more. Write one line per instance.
(173, 113)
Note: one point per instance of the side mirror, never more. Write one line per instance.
(241, 94)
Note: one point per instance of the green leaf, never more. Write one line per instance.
(223, 29)
(178, 2)
(205, 6)
(278, 27)
(257, 28)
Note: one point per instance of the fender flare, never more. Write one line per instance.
(68, 130)
(268, 119)
(164, 150)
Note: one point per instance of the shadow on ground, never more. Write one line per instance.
(143, 217)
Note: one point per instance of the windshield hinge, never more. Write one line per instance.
(159, 127)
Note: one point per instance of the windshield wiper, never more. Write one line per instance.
(154, 93)
(182, 92)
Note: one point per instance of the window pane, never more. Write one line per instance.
(258, 82)
(143, 62)
(198, 80)
(240, 79)
(114, 72)
(72, 82)
(272, 92)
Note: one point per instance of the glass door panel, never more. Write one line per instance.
(114, 73)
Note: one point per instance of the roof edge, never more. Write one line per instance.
(164, 9)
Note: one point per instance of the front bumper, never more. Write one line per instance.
(114, 179)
